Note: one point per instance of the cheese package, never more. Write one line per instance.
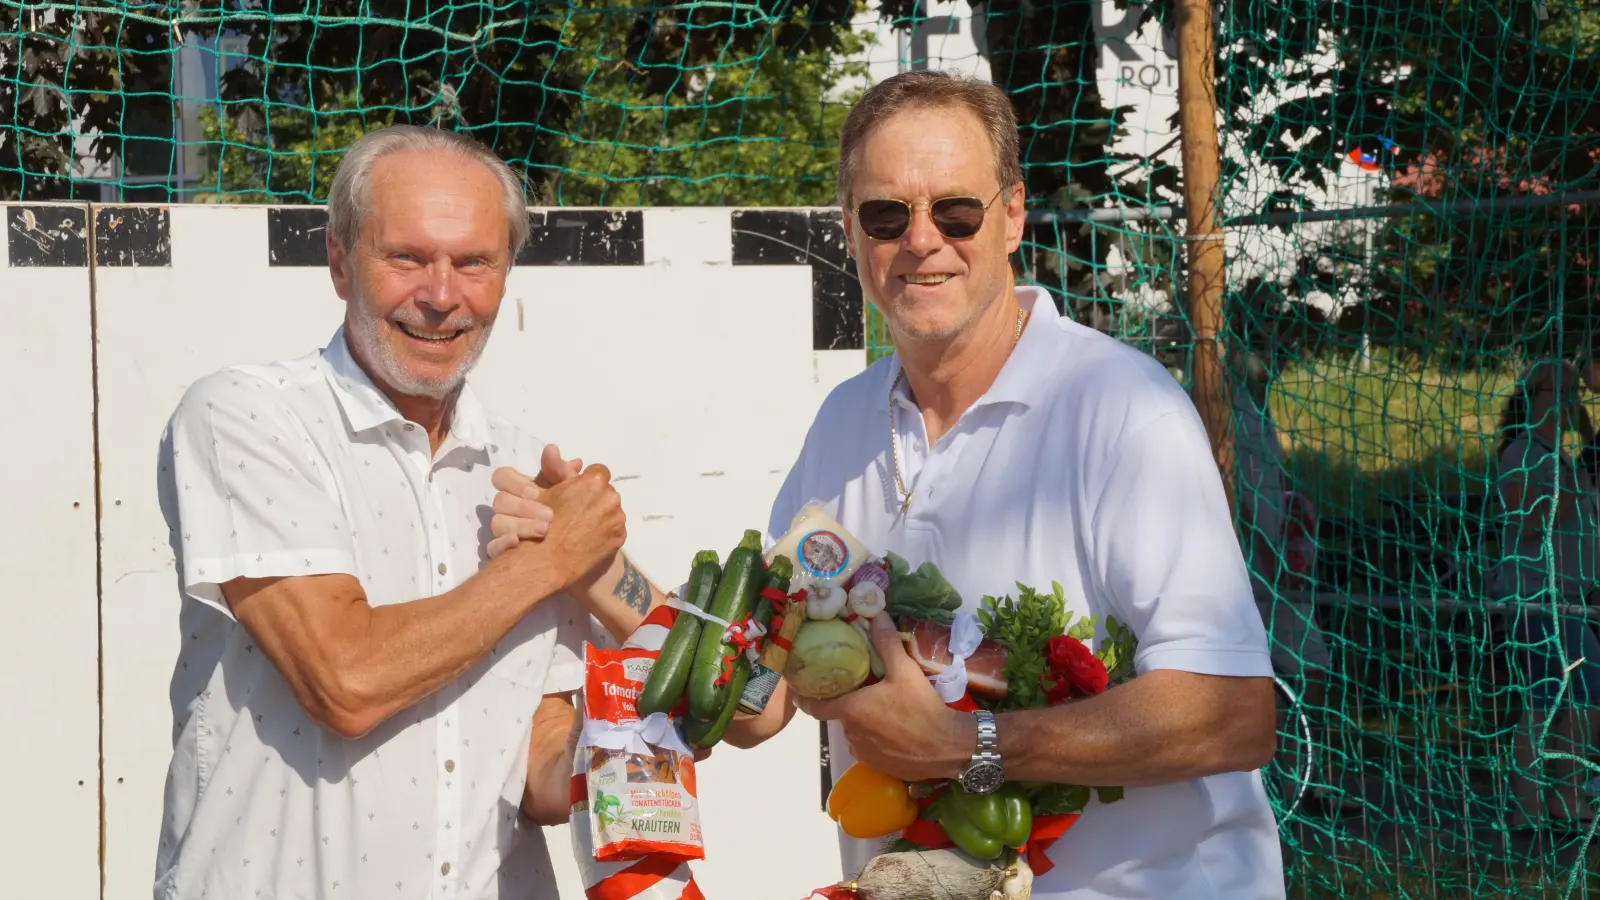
(820, 547)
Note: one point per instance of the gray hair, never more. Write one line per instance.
(930, 89)
(349, 195)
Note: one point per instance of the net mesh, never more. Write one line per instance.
(1410, 196)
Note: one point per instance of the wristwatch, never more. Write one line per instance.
(984, 774)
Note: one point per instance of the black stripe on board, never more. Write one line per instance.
(47, 236)
(837, 321)
(582, 237)
(585, 237)
(296, 236)
(771, 237)
(774, 237)
(132, 236)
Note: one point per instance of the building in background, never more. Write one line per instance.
(164, 154)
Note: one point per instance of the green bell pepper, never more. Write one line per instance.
(984, 825)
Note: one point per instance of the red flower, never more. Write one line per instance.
(1075, 671)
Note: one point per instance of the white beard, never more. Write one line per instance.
(364, 331)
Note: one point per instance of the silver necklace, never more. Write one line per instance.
(894, 434)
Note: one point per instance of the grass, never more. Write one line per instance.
(1355, 435)
(1410, 707)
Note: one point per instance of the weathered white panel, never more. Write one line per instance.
(694, 383)
(159, 330)
(688, 237)
(50, 832)
(695, 386)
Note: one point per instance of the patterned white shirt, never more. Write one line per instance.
(304, 467)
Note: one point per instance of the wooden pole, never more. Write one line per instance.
(1197, 116)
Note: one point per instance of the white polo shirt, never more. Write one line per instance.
(299, 468)
(1085, 463)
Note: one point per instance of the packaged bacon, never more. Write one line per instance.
(637, 774)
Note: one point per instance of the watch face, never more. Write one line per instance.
(982, 778)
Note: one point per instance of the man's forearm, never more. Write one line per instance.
(620, 597)
(1161, 727)
(353, 665)
(546, 796)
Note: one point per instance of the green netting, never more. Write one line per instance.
(1391, 308)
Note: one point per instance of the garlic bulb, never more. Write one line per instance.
(867, 600)
(825, 600)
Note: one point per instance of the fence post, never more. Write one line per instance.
(1197, 115)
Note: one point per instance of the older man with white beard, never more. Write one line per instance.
(371, 701)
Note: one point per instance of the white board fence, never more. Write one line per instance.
(625, 335)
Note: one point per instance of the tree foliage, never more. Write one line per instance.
(758, 127)
(1460, 102)
(739, 97)
(92, 68)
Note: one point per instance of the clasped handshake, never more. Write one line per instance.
(568, 519)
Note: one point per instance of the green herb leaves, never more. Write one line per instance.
(1022, 626)
(923, 594)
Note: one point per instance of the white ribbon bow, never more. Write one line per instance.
(636, 736)
(966, 632)
(755, 631)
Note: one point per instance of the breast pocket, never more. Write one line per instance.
(525, 655)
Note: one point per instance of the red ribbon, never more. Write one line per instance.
(1042, 836)
(664, 616)
(740, 640)
(1045, 832)
(780, 604)
(638, 878)
(834, 892)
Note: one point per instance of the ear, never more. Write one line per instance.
(849, 223)
(1016, 216)
(339, 267)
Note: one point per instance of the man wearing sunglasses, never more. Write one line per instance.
(1008, 444)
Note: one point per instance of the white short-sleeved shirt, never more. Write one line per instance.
(1084, 463)
(304, 467)
(1527, 571)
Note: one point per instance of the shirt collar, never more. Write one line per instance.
(366, 407)
(1018, 382)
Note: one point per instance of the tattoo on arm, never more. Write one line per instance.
(632, 588)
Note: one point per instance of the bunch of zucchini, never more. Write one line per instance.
(692, 656)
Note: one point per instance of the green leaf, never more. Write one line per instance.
(1108, 794)
(1058, 799)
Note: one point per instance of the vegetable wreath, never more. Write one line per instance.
(804, 611)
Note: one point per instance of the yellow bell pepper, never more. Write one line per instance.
(867, 803)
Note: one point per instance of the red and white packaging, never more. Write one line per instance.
(635, 820)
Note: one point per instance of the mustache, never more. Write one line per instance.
(454, 323)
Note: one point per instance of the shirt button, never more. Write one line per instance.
(444, 869)
(449, 765)
(441, 568)
(410, 427)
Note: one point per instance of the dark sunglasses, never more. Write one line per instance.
(957, 218)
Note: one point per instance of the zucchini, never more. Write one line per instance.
(779, 574)
(703, 735)
(664, 687)
(736, 593)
